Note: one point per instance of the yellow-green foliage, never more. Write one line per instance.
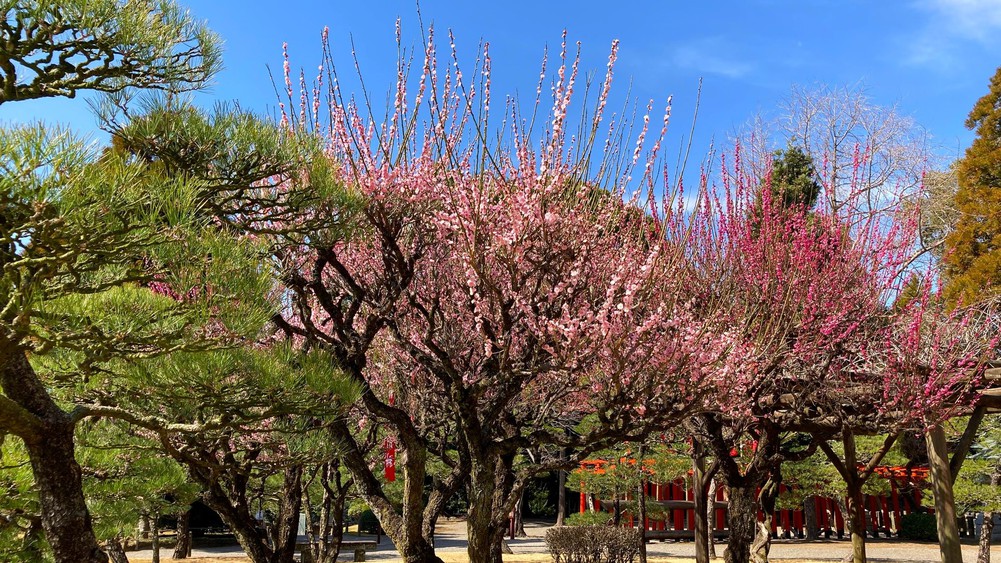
(816, 475)
(973, 489)
(239, 382)
(126, 476)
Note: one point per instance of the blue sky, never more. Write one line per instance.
(932, 58)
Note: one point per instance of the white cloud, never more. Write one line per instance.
(931, 50)
(950, 24)
(975, 19)
(709, 56)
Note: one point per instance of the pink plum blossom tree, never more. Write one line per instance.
(510, 287)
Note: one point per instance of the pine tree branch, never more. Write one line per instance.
(15, 419)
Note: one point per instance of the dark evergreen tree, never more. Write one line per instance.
(793, 179)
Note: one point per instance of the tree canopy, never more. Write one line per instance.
(264, 303)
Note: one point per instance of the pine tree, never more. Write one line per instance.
(111, 256)
(790, 186)
(973, 250)
(793, 180)
(59, 48)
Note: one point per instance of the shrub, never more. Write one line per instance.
(593, 544)
(918, 526)
(589, 519)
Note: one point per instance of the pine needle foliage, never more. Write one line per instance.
(60, 47)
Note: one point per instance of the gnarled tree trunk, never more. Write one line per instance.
(561, 498)
(854, 509)
(484, 525)
(230, 502)
(155, 531)
(855, 512)
(519, 517)
(700, 489)
(742, 520)
(48, 437)
(286, 528)
(325, 543)
(984, 550)
(411, 528)
(182, 549)
(711, 517)
(243, 526)
(116, 551)
(766, 499)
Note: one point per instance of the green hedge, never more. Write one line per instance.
(918, 526)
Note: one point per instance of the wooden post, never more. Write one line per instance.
(721, 513)
(786, 517)
(895, 498)
(945, 508)
(887, 523)
(874, 511)
(963, 448)
(561, 502)
(700, 493)
(641, 503)
(678, 493)
(821, 503)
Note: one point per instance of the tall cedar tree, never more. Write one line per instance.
(973, 257)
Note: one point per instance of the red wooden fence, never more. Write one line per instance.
(676, 501)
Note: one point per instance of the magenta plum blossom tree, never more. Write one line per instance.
(810, 291)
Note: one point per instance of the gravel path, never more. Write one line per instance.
(451, 537)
